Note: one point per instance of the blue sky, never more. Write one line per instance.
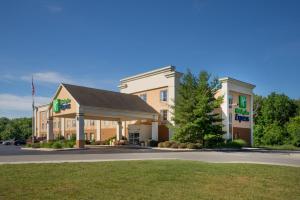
(96, 43)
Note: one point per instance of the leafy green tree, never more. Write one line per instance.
(185, 104)
(297, 103)
(257, 105)
(293, 128)
(3, 122)
(19, 128)
(194, 115)
(277, 108)
(274, 134)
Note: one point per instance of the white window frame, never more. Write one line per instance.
(162, 97)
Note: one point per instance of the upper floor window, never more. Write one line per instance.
(163, 95)
(164, 115)
(73, 123)
(144, 97)
(230, 101)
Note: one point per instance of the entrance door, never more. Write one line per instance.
(134, 138)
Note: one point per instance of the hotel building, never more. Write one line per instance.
(140, 111)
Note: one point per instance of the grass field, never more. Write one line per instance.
(149, 180)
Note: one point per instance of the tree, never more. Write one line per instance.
(293, 128)
(272, 114)
(194, 108)
(3, 122)
(257, 105)
(277, 108)
(19, 128)
(297, 103)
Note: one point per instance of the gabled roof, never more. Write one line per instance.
(93, 97)
(229, 79)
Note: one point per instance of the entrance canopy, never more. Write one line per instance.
(71, 100)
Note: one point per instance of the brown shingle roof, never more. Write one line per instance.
(107, 99)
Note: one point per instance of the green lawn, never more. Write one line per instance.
(149, 180)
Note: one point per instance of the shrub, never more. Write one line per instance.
(182, 145)
(160, 145)
(293, 128)
(47, 144)
(213, 140)
(174, 145)
(69, 144)
(167, 144)
(36, 145)
(238, 143)
(152, 143)
(199, 145)
(191, 146)
(274, 135)
(57, 145)
(28, 145)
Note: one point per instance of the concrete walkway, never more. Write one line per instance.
(273, 158)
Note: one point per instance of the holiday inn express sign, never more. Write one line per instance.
(241, 113)
(61, 104)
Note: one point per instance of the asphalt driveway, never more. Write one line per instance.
(14, 155)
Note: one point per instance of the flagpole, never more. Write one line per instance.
(33, 118)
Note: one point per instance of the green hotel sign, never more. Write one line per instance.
(241, 112)
(61, 104)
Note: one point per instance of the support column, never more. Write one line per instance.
(119, 131)
(124, 128)
(154, 131)
(251, 118)
(80, 141)
(98, 130)
(50, 135)
(62, 126)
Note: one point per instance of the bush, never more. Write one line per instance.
(152, 143)
(174, 145)
(160, 145)
(192, 146)
(213, 140)
(69, 144)
(167, 144)
(57, 145)
(293, 128)
(182, 145)
(28, 145)
(274, 135)
(47, 144)
(238, 143)
(35, 145)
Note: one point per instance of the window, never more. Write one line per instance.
(164, 115)
(230, 101)
(134, 138)
(230, 118)
(68, 124)
(164, 95)
(43, 126)
(92, 136)
(144, 97)
(54, 124)
(92, 123)
(73, 123)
